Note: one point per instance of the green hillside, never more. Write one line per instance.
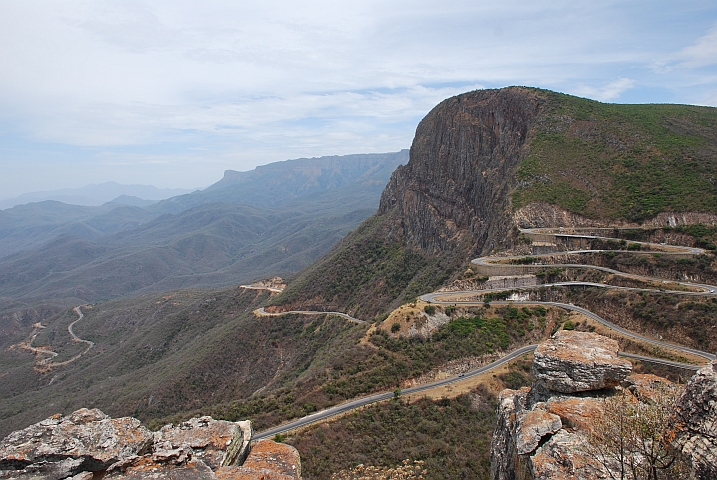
(620, 161)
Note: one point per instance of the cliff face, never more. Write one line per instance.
(450, 202)
(586, 417)
(455, 191)
(697, 422)
(540, 430)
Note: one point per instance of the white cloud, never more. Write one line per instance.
(610, 91)
(702, 53)
(243, 83)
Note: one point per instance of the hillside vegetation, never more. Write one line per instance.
(620, 161)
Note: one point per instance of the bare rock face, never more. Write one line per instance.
(559, 459)
(88, 443)
(454, 192)
(86, 440)
(533, 425)
(268, 460)
(503, 449)
(540, 430)
(216, 442)
(697, 422)
(579, 361)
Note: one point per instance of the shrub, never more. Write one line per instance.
(395, 327)
(430, 309)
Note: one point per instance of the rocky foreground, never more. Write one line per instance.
(545, 432)
(88, 444)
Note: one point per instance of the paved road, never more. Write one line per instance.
(361, 402)
(271, 289)
(704, 290)
(345, 407)
(264, 313)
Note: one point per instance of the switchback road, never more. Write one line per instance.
(435, 297)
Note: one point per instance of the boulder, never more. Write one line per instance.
(85, 441)
(268, 459)
(216, 442)
(166, 466)
(579, 361)
(576, 413)
(696, 422)
(88, 444)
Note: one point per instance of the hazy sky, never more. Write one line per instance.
(173, 93)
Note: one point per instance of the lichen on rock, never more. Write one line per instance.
(573, 361)
(696, 422)
(88, 442)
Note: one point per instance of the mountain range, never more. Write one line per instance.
(273, 220)
(95, 194)
(482, 166)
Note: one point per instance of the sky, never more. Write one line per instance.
(172, 93)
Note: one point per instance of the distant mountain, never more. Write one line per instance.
(132, 200)
(26, 227)
(220, 237)
(94, 195)
(279, 183)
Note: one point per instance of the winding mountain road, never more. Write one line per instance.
(488, 262)
(47, 361)
(263, 313)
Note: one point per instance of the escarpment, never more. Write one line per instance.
(455, 191)
(486, 163)
(450, 202)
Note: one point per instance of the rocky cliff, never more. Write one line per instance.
(586, 417)
(455, 191)
(88, 444)
(487, 161)
(538, 433)
(450, 202)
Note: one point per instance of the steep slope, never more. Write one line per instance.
(486, 161)
(451, 201)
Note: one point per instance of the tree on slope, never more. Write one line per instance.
(631, 439)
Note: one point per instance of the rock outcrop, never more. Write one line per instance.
(579, 361)
(88, 443)
(697, 422)
(539, 429)
(455, 191)
(584, 405)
